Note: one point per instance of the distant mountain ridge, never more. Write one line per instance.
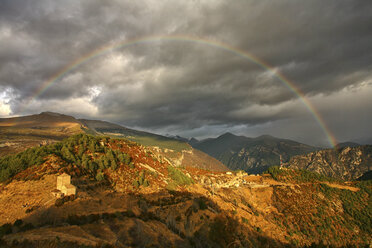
(254, 155)
(347, 163)
(348, 144)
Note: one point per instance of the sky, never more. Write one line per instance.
(186, 87)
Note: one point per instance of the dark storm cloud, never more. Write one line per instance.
(180, 86)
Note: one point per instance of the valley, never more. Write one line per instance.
(145, 190)
(132, 195)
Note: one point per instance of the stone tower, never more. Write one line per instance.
(64, 185)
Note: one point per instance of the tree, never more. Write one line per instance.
(85, 162)
(93, 167)
(100, 176)
(141, 177)
(92, 146)
(81, 150)
(146, 183)
(106, 162)
(110, 155)
(124, 158)
(114, 165)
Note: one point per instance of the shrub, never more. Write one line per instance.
(92, 218)
(141, 177)
(146, 183)
(59, 202)
(73, 220)
(27, 226)
(100, 176)
(5, 229)
(136, 183)
(202, 203)
(18, 222)
(114, 165)
(124, 158)
(178, 176)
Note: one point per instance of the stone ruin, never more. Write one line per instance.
(64, 186)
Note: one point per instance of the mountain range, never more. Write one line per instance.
(253, 155)
(228, 151)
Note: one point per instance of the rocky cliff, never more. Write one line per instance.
(253, 155)
(348, 163)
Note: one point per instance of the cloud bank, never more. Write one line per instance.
(190, 88)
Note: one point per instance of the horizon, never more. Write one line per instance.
(188, 138)
(299, 71)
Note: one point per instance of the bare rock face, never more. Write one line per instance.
(348, 163)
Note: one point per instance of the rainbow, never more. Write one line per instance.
(212, 43)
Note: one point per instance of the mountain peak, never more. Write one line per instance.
(347, 144)
(227, 134)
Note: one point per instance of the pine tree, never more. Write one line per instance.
(114, 165)
(81, 150)
(106, 162)
(92, 147)
(110, 155)
(101, 164)
(100, 176)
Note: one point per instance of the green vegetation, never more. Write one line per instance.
(136, 184)
(299, 176)
(319, 212)
(146, 183)
(244, 220)
(357, 205)
(141, 180)
(162, 142)
(178, 177)
(100, 176)
(86, 151)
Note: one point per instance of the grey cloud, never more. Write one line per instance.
(182, 86)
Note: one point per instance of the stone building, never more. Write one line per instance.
(64, 185)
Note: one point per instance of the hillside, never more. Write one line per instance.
(347, 163)
(145, 138)
(19, 133)
(253, 155)
(129, 195)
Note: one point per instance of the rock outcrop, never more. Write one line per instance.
(348, 163)
(253, 155)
